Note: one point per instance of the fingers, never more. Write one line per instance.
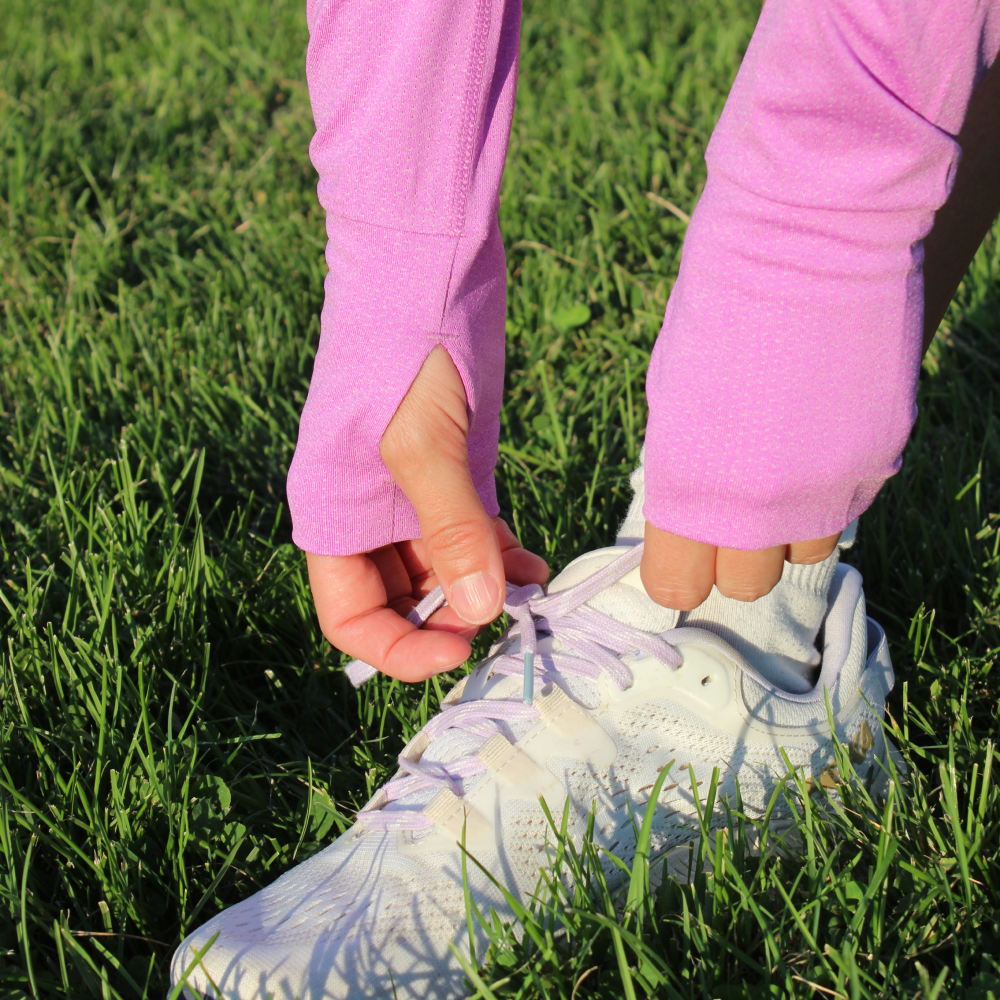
(351, 593)
(679, 573)
(520, 566)
(676, 572)
(424, 448)
(814, 551)
(745, 576)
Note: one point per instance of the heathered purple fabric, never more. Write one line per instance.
(782, 385)
(413, 102)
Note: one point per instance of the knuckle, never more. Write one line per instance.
(506, 537)
(676, 596)
(746, 592)
(677, 600)
(458, 539)
(366, 637)
(805, 556)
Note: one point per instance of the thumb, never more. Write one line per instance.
(424, 447)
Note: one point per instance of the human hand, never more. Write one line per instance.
(679, 573)
(362, 600)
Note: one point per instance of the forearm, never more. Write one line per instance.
(413, 102)
(782, 387)
(965, 218)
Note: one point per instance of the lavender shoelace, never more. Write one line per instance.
(598, 641)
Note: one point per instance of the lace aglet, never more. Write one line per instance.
(529, 678)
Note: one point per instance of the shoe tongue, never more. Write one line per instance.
(625, 601)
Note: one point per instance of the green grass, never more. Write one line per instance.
(174, 733)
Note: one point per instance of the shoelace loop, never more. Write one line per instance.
(597, 640)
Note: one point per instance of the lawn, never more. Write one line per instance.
(175, 733)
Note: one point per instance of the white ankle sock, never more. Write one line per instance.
(776, 634)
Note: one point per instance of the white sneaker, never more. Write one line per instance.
(616, 698)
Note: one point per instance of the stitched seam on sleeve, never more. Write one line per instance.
(471, 109)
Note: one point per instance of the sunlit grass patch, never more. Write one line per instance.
(174, 732)
(828, 900)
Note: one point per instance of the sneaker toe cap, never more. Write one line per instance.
(329, 930)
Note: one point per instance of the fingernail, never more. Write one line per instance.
(475, 598)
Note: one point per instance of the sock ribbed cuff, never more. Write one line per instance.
(811, 578)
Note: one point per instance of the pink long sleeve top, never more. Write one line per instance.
(782, 386)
